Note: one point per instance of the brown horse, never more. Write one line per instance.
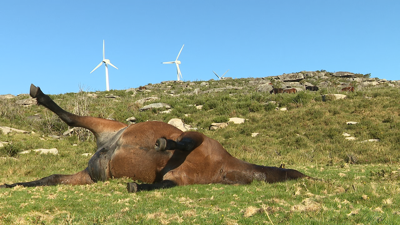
(276, 91)
(155, 153)
(290, 91)
(348, 89)
(312, 88)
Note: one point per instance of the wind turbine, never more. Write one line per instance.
(106, 63)
(177, 62)
(220, 77)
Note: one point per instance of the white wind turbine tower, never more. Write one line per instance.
(177, 62)
(220, 77)
(106, 63)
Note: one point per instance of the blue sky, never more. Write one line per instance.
(55, 44)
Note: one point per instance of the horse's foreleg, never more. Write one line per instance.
(55, 179)
(135, 187)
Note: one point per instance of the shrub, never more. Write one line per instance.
(221, 119)
(11, 149)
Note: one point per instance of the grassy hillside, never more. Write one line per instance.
(360, 177)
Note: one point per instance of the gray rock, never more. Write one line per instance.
(328, 97)
(216, 126)
(237, 120)
(266, 88)
(178, 123)
(291, 77)
(9, 96)
(131, 119)
(343, 74)
(148, 99)
(53, 151)
(68, 132)
(26, 102)
(111, 96)
(6, 130)
(92, 95)
(155, 106)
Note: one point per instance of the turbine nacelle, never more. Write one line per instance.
(177, 62)
(106, 63)
(220, 77)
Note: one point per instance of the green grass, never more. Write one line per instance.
(359, 184)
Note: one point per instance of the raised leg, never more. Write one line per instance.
(98, 126)
(55, 179)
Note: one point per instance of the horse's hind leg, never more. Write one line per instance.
(96, 125)
(80, 178)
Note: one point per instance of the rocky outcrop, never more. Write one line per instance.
(7, 96)
(7, 130)
(155, 106)
(291, 77)
(148, 99)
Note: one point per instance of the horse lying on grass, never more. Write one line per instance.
(155, 153)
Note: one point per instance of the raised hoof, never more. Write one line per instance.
(33, 91)
(161, 144)
(132, 187)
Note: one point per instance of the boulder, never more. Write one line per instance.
(155, 106)
(7, 96)
(131, 120)
(291, 77)
(26, 102)
(330, 97)
(236, 120)
(6, 130)
(148, 99)
(266, 88)
(178, 123)
(2, 144)
(92, 95)
(111, 96)
(343, 74)
(216, 126)
(53, 151)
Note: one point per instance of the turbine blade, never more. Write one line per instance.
(179, 53)
(104, 51)
(178, 71)
(169, 62)
(224, 73)
(112, 65)
(96, 67)
(216, 74)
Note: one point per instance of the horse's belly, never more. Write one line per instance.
(136, 164)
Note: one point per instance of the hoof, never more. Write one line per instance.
(6, 186)
(132, 187)
(33, 91)
(161, 144)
